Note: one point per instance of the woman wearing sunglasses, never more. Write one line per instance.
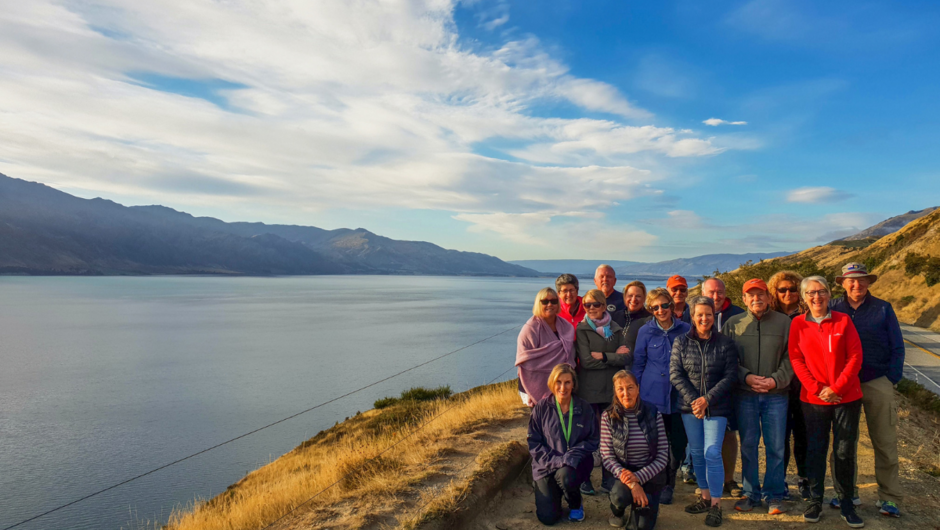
(601, 353)
(544, 342)
(784, 290)
(651, 366)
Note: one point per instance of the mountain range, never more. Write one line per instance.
(46, 231)
(889, 226)
(689, 267)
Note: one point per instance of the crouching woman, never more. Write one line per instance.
(562, 440)
(635, 449)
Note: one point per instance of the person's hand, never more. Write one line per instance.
(529, 401)
(627, 477)
(827, 395)
(769, 384)
(597, 355)
(639, 496)
(699, 406)
(623, 350)
(756, 383)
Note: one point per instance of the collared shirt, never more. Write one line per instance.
(811, 318)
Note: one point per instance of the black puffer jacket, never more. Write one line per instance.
(710, 370)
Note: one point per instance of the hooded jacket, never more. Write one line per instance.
(762, 348)
(828, 353)
(880, 333)
(546, 438)
(709, 370)
(651, 364)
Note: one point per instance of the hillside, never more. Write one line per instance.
(889, 226)
(689, 267)
(46, 231)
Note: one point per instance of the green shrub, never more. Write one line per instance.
(920, 396)
(906, 301)
(734, 280)
(915, 264)
(417, 393)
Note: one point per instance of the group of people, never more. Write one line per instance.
(639, 382)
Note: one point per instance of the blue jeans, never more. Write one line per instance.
(763, 415)
(705, 439)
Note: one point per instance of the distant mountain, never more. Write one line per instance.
(690, 267)
(46, 231)
(889, 226)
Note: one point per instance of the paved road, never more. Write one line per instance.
(922, 356)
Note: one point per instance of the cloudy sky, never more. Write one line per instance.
(550, 129)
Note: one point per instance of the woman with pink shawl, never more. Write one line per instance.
(545, 341)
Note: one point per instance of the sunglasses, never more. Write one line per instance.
(788, 289)
(592, 305)
(549, 301)
(655, 308)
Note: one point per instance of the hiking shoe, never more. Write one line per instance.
(732, 489)
(616, 522)
(746, 504)
(776, 507)
(699, 506)
(666, 497)
(803, 485)
(889, 508)
(852, 519)
(690, 478)
(576, 515)
(813, 512)
(835, 503)
(587, 489)
(713, 518)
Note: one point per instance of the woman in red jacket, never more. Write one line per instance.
(826, 355)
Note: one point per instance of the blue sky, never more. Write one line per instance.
(552, 129)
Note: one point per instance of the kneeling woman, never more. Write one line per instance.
(635, 449)
(562, 440)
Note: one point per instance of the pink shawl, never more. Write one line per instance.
(538, 350)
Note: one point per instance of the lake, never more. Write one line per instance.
(107, 378)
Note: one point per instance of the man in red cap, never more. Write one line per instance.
(762, 396)
(679, 290)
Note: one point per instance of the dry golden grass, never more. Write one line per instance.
(351, 456)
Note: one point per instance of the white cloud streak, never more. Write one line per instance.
(715, 122)
(817, 195)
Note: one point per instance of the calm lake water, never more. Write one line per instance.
(105, 378)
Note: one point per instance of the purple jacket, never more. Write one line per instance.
(547, 440)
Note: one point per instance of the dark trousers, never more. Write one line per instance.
(842, 421)
(796, 426)
(607, 478)
(675, 433)
(621, 504)
(565, 482)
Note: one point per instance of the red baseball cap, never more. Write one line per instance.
(755, 283)
(675, 281)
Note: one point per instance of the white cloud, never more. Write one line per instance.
(352, 104)
(817, 195)
(714, 122)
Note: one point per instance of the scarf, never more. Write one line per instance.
(602, 326)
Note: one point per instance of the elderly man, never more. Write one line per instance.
(882, 363)
(714, 288)
(762, 396)
(679, 291)
(571, 308)
(605, 279)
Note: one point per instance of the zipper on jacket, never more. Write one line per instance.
(704, 388)
(758, 347)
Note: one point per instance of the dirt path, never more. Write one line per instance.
(919, 432)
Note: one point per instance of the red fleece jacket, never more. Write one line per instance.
(565, 313)
(826, 354)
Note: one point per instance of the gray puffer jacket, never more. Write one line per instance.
(709, 370)
(595, 377)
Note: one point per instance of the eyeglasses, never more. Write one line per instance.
(592, 305)
(655, 308)
(788, 289)
(819, 293)
(549, 301)
(678, 290)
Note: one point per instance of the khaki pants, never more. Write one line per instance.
(881, 415)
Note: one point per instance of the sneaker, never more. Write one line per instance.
(746, 504)
(852, 519)
(776, 507)
(813, 512)
(803, 485)
(616, 522)
(732, 489)
(576, 515)
(889, 508)
(690, 479)
(587, 489)
(713, 518)
(699, 506)
(666, 496)
(835, 504)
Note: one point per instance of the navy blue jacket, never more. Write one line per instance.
(547, 440)
(882, 341)
(651, 364)
(722, 316)
(617, 308)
